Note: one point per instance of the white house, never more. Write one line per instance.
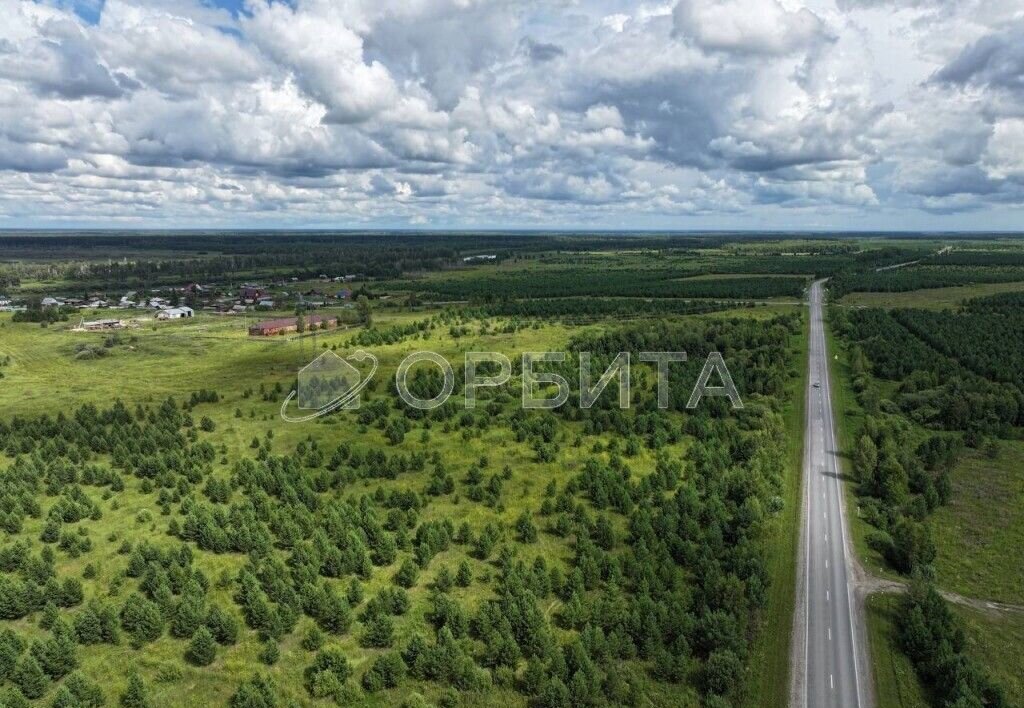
(175, 313)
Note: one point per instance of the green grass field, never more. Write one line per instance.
(929, 298)
(994, 641)
(980, 534)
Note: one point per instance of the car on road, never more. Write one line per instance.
(816, 384)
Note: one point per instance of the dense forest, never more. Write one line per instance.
(651, 282)
(922, 276)
(933, 388)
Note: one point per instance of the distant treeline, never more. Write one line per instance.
(630, 282)
(919, 277)
(576, 307)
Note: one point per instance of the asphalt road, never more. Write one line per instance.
(832, 670)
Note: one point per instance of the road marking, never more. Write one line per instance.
(828, 596)
(830, 634)
(827, 394)
(831, 683)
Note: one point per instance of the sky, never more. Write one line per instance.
(585, 114)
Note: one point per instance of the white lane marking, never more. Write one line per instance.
(827, 393)
(830, 634)
(828, 596)
(831, 683)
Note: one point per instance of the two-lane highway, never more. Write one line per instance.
(832, 670)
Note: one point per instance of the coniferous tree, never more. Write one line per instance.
(136, 695)
(29, 677)
(202, 649)
(379, 633)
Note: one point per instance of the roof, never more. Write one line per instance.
(293, 321)
(176, 311)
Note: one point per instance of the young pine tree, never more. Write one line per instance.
(136, 696)
(202, 649)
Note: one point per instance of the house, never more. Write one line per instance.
(290, 324)
(175, 313)
(267, 303)
(481, 257)
(49, 302)
(344, 294)
(251, 293)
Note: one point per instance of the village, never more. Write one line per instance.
(181, 303)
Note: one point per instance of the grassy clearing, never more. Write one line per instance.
(930, 298)
(994, 641)
(896, 684)
(980, 534)
(768, 682)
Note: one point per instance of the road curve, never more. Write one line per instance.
(830, 666)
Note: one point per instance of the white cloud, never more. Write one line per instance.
(748, 26)
(490, 112)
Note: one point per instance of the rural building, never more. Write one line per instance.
(290, 324)
(97, 325)
(175, 313)
(251, 293)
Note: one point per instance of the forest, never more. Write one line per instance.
(652, 282)
(928, 387)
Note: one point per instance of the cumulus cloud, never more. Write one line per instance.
(747, 26)
(996, 60)
(489, 112)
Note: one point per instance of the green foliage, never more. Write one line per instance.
(29, 677)
(202, 649)
(387, 671)
(255, 692)
(141, 619)
(934, 641)
(328, 673)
